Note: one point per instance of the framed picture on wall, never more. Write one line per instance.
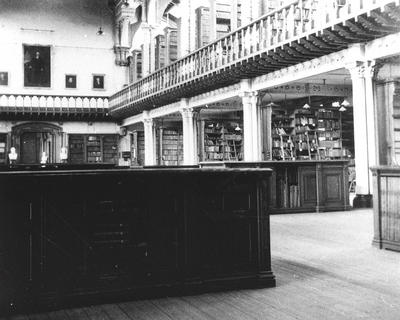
(36, 66)
(3, 78)
(98, 81)
(70, 81)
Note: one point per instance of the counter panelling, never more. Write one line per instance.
(88, 236)
(304, 186)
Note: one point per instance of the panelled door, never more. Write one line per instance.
(30, 147)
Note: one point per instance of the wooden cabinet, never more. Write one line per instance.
(305, 186)
(84, 236)
(93, 148)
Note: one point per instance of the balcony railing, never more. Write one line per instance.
(53, 106)
(257, 49)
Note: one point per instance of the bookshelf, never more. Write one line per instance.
(282, 129)
(3, 148)
(76, 149)
(309, 134)
(85, 148)
(222, 142)
(93, 149)
(172, 147)
(305, 135)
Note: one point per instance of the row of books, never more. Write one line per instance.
(290, 195)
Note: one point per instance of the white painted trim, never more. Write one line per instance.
(132, 120)
(383, 47)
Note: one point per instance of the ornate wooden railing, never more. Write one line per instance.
(299, 31)
(56, 106)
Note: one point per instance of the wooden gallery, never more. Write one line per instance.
(144, 144)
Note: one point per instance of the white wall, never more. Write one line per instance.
(90, 127)
(69, 27)
(70, 127)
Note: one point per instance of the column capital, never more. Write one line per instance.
(371, 69)
(188, 112)
(362, 69)
(253, 97)
(356, 69)
(147, 120)
(249, 94)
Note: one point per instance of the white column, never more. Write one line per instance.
(183, 29)
(192, 25)
(213, 20)
(167, 41)
(246, 13)
(372, 130)
(149, 140)
(251, 126)
(234, 15)
(189, 134)
(134, 61)
(152, 51)
(124, 26)
(255, 9)
(361, 142)
(146, 52)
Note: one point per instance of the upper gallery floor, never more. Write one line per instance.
(293, 33)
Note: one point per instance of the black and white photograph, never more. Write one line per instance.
(98, 81)
(70, 81)
(200, 160)
(37, 66)
(3, 78)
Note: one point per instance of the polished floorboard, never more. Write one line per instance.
(325, 267)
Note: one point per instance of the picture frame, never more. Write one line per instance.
(3, 78)
(70, 81)
(37, 66)
(98, 82)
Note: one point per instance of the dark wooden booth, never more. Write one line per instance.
(72, 237)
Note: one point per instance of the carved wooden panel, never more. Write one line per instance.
(308, 187)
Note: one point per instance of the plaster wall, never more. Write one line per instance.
(70, 28)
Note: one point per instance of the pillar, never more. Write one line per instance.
(183, 30)
(213, 20)
(189, 134)
(362, 144)
(152, 58)
(124, 32)
(245, 14)
(134, 66)
(234, 15)
(146, 50)
(149, 140)
(266, 132)
(167, 41)
(372, 130)
(251, 125)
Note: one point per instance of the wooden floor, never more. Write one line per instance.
(325, 266)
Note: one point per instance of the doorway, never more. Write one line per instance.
(30, 147)
(32, 139)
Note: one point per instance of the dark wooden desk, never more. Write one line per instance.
(84, 236)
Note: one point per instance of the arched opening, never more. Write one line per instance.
(32, 139)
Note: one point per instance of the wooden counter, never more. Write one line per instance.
(84, 236)
(303, 186)
(386, 207)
